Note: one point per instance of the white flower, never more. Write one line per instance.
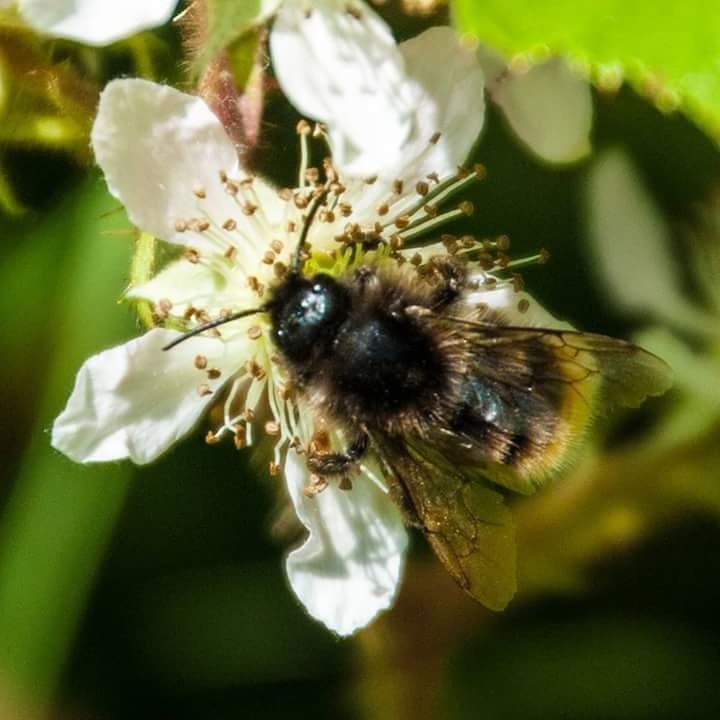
(95, 22)
(407, 115)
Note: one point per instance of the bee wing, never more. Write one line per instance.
(530, 394)
(466, 522)
(627, 373)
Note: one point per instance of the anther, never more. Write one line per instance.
(397, 186)
(382, 209)
(370, 179)
(466, 207)
(211, 438)
(303, 127)
(422, 188)
(223, 176)
(285, 194)
(517, 282)
(181, 226)
(435, 137)
(240, 437)
(312, 175)
(345, 483)
(192, 255)
(249, 208)
(214, 373)
(280, 269)
(231, 252)
(203, 389)
(200, 362)
(345, 209)
(274, 469)
(232, 188)
(301, 201)
(402, 222)
(277, 246)
(199, 191)
(272, 428)
(229, 224)
(254, 332)
(523, 305)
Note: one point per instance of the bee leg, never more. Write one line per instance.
(339, 463)
(452, 280)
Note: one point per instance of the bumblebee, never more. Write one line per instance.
(459, 405)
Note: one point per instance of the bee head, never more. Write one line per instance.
(305, 314)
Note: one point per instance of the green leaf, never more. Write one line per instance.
(228, 21)
(63, 277)
(668, 50)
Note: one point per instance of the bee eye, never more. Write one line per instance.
(308, 315)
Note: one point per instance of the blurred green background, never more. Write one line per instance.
(159, 592)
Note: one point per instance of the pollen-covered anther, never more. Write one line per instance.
(214, 373)
(523, 305)
(249, 208)
(397, 186)
(272, 428)
(327, 216)
(466, 207)
(200, 362)
(318, 130)
(430, 210)
(192, 255)
(277, 246)
(402, 222)
(280, 269)
(255, 332)
(223, 176)
(416, 259)
(303, 127)
(162, 308)
(247, 181)
(189, 313)
(370, 179)
(315, 486)
(382, 209)
(199, 192)
(274, 469)
(434, 138)
(240, 436)
(301, 200)
(229, 224)
(232, 188)
(268, 257)
(181, 226)
(480, 171)
(422, 188)
(345, 209)
(230, 252)
(203, 389)
(396, 242)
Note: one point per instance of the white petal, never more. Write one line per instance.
(134, 401)
(345, 70)
(349, 568)
(95, 22)
(156, 146)
(184, 283)
(550, 109)
(452, 103)
(504, 298)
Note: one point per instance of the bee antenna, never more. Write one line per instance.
(213, 324)
(318, 201)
